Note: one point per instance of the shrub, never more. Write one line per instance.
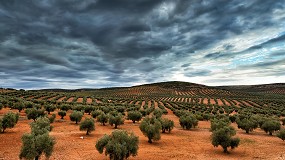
(49, 108)
(157, 113)
(88, 109)
(223, 137)
(116, 120)
(9, 120)
(1, 106)
(65, 107)
(19, 106)
(247, 124)
(52, 118)
(76, 116)
(134, 116)
(61, 114)
(33, 113)
(283, 121)
(103, 118)
(270, 125)
(38, 141)
(87, 125)
(166, 125)
(187, 122)
(150, 128)
(281, 134)
(119, 145)
(96, 113)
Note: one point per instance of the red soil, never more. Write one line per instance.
(205, 101)
(61, 99)
(80, 100)
(220, 103)
(89, 100)
(70, 99)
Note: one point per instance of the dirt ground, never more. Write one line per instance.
(177, 145)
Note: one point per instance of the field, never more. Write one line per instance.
(171, 98)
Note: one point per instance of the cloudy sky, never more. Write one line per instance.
(105, 43)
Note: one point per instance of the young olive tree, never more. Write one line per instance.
(166, 125)
(116, 120)
(134, 116)
(119, 145)
(37, 142)
(9, 120)
(150, 128)
(87, 125)
(188, 122)
(76, 116)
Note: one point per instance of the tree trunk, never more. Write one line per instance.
(149, 140)
(247, 131)
(134, 121)
(225, 149)
(270, 133)
(87, 133)
(37, 158)
(116, 126)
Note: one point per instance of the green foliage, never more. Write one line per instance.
(103, 118)
(116, 120)
(49, 108)
(119, 145)
(19, 106)
(157, 113)
(223, 137)
(247, 124)
(33, 113)
(1, 106)
(65, 107)
(38, 141)
(134, 116)
(61, 114)
(187, 122)
(52, 118)
(150, 128)
(222, 134)
(9, 120)
(96, 113)
(88, 109)
(281, 134)
(166, 125)
(76, 116)
(87, 125)
(283, 121)
(271, 125)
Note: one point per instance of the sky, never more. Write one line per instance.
(107, 43)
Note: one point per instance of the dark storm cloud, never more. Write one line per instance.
(119, 40)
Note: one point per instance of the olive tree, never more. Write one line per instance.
(49, 108)
(224, 137)
(87, 125)
(76, 116)
(271, 125)
(166, 125)
(103, 118)
(34, 113)
(247, 124)
(119, 145)
(9, 120)
(188, 121)
(61, 114)
(37, 142)
(150, 128)
(96, 113)
(116, 120)
(134, 116)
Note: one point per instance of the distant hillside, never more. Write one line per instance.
(275, 88)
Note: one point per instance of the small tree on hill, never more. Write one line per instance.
(49, 108)
(61, 114)
(150, 128)
(187, 122)
(116, 120)
(87, 125)
(166, 125)
(33, 113)
(19, 106)
(270, 125)
(38, 141)
(96, 113)
(157, 113)
(103, 118)
(76, 116)
(119, 145)
(223, 137)
(88, 109)
(247, 124)
(134, 116)
(9, 120)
